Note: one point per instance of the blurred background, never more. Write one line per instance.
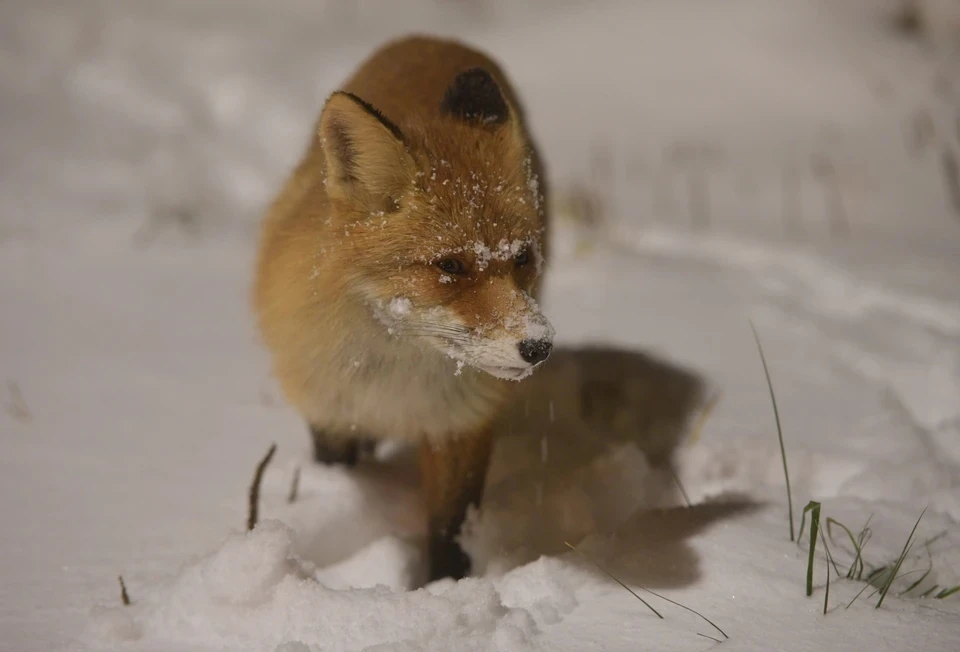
(794, 160)
(809, 120)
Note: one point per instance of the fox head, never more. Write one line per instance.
(438, 224)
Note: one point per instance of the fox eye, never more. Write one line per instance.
(450, 265)
(522, 258)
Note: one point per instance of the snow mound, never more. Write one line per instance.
(254, 593)
(722, 558)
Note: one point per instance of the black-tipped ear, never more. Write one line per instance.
(475, 97)
(375, 112)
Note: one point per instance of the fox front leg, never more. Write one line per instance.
(332, 449)
(453, 474)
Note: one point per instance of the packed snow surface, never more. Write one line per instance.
(711, 164)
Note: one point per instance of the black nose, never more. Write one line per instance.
(534, 351)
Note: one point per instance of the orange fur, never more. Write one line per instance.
(368, 336)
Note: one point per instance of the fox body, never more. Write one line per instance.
(399, 266)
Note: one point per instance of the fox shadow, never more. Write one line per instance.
(586, 454)
(585, 450)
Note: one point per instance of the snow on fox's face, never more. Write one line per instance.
(439, 224)
(456, 263)
(474, 304)
(456, 268)
(463, 255)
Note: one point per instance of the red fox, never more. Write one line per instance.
(399, 266)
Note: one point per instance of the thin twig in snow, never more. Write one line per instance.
(294, 486)
(124, 596)
(252, 513)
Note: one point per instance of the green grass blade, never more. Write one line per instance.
(826, 595)
(852, 571)
(829, 555)
(654, 593)
(683, 606)
(776, 415)
(859, 593)
(903, 555)
(874, 574)
(862, 539)
(611, 576)
(946, 593)
(814, 508)
(874, 592)
(922, 577)
(929, 591)
(831, 522)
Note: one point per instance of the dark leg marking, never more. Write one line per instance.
(333, 450)
(453, 475)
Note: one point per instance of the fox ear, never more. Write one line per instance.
(475, 97)
(365, 153)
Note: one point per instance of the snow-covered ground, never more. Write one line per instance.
(714, 162)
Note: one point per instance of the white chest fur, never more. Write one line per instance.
(390, 387)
